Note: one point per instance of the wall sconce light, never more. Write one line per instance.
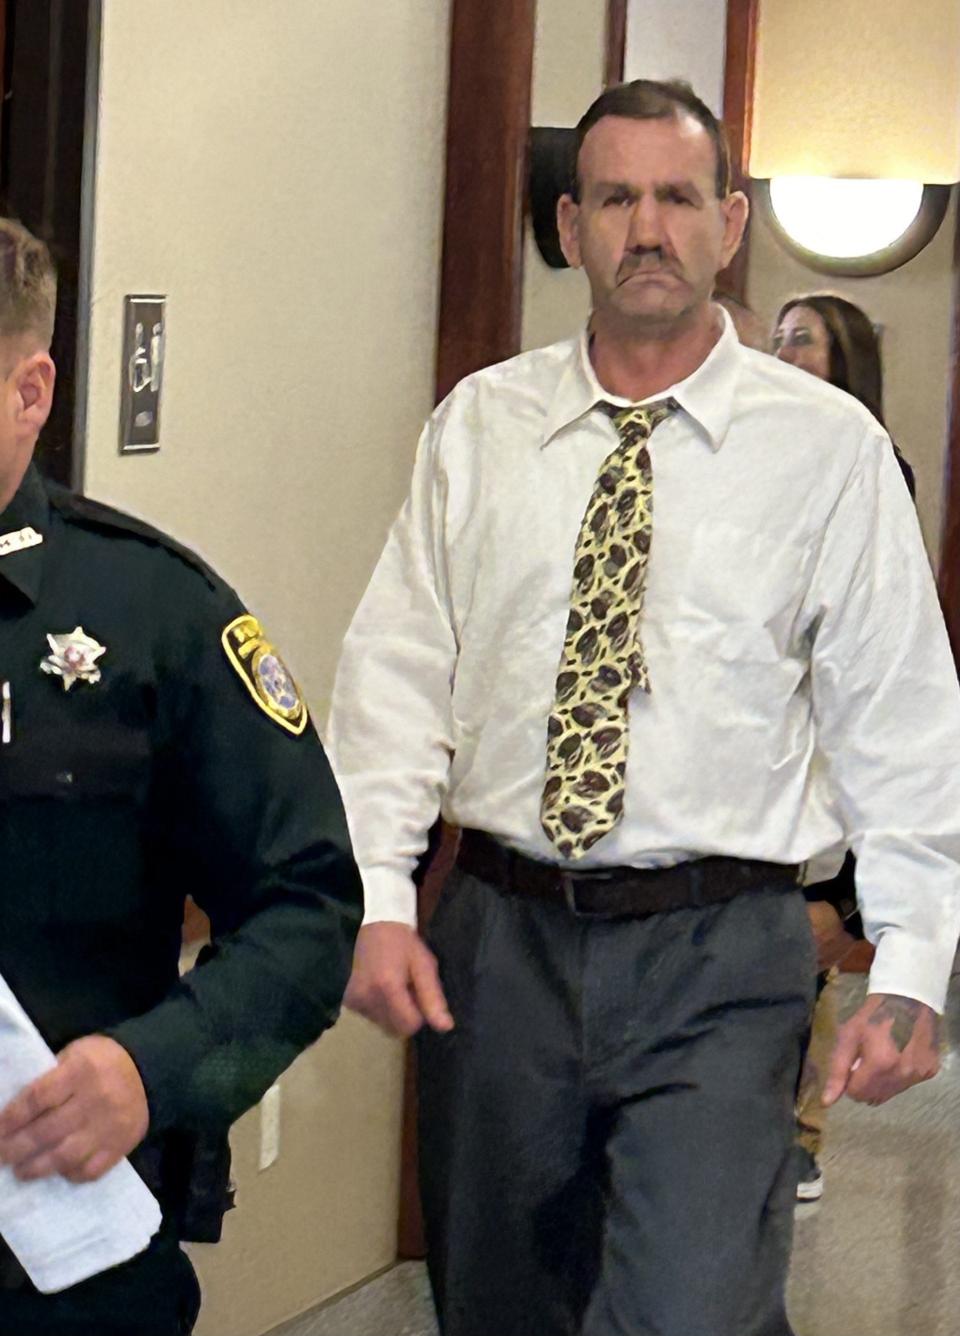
(855, 128)
(852, 227)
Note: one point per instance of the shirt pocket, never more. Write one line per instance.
(72, 811)
(741, 593)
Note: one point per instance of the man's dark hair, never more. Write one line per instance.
(653, 100)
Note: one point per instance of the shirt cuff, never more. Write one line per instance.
(906, 967)
(389, 897)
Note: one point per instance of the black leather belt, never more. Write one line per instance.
(619, 892)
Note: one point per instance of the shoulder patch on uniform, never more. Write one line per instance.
(263, 673)
(96, 515)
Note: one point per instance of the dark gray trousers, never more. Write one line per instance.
(606, 1135)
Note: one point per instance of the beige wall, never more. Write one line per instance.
(275, 168)
(898, 116)
(914, 306)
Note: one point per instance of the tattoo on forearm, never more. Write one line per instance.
(904, 1013)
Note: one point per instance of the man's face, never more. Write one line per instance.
(649, 229)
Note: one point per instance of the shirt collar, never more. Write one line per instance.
(29, 509)
(706, 395)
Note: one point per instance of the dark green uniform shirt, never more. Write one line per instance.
(174, 774)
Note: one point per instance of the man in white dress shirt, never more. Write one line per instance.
(656, 628)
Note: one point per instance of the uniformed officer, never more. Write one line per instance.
(153, 746)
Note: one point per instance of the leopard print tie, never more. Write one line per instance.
(602, 660)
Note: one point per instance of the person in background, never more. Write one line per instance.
(152, 746)
(829, 337)
(832, 338)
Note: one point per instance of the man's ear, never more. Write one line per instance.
(34, 380)
(568, 220)
(736, 210)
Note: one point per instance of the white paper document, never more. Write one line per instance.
(60, 1232)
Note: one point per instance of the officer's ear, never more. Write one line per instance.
(34, 378)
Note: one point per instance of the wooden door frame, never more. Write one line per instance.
(488, 119)
(739, 66)
(615, 39)
(478, 323)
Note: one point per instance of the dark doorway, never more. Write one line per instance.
(45, 57)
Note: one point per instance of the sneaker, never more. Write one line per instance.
(810, 1186)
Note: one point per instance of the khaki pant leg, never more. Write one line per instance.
(811, 1115)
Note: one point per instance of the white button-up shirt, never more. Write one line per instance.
(803, 695)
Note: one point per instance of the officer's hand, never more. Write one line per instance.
(833, 942)
(891, 1044)
(395, 981)
(80, 1118)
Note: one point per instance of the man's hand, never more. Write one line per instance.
(80, 1118)
(395, 981)
(892, 1043)
(832, 941)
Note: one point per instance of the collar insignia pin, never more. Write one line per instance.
(16, 542)
(73, 658)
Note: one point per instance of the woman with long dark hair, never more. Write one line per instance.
(832, 338)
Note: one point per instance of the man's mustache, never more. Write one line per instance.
(651, 260)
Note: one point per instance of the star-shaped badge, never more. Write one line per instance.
(73, 658)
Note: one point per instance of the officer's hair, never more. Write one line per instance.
(28, 284)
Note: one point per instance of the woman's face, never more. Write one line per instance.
(802, 339)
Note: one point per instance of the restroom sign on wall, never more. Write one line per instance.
(144, 338)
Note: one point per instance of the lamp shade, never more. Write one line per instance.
(857, 88)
